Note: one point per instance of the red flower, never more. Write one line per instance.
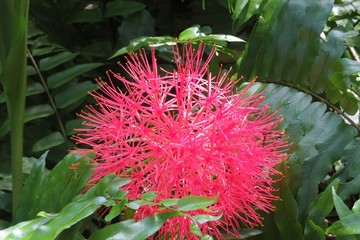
(186, 133)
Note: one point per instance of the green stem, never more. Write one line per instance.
(13, 78)
(52, 103)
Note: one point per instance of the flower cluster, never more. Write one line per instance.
(182, 133)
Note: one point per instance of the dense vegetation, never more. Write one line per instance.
(304, 53)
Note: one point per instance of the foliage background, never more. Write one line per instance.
(305, 53)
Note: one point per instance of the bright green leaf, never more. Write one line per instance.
(341, 208)
(133, 230)
(349, 225)
(190, 203)
(201, 219)
(116, 210)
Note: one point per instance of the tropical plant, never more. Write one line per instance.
(303, 54)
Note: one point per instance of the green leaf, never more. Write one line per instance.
(34, 88)
(135, 205)
(47, 142)
(116, 210)
(137, 25)
(284, 43)
(56, 60)
(341, 208)
(169, 202)
(194, 228)
(242, 11)
(356, 207)
(190, 203)
(133, 230)
(201, 219)
(73, 94)
(319, 209)
(31, 187)
(190, 33)
(31, 113)
(37, 111)
(107, 186)
(68, 216)
(23, 230)
(62, 179)
(149, 196)
(318, 139)
(62, 77)
(286, 214)
(123, 8)
(71, 125)
(349, 225)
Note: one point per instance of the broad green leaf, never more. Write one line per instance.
(23, 230)
(56, 60)
(68, 216)
(47, 142)
(62, 179)
(133, 230)
(190, 203)
(69, 74)
(73, 94)
(349, 225)
(284, 43)
(31, 187)
(318, 140)
(51, 224)
(123, 8)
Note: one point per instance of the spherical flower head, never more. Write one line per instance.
(182, 133)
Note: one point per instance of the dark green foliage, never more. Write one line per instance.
(307, 49)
